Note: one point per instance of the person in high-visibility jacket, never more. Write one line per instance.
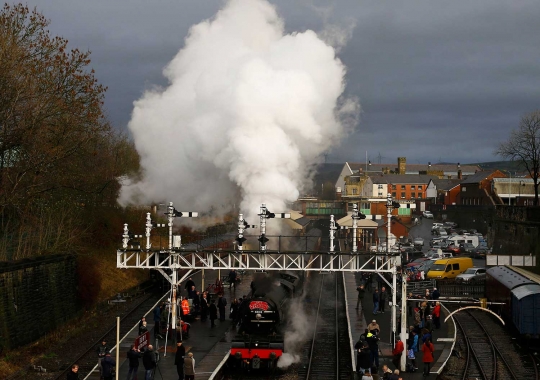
(185, 307)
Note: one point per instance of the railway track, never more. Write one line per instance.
(489, 352)
(328, 351)
(88, 360)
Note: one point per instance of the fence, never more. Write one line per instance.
(451, 289)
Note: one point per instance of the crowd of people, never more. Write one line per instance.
(424, 314)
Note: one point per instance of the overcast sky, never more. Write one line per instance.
(437, 81)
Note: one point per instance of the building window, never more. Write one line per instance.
(393, 187)
(413, 188)
(419, 187)
(403, 195)
(380, 187)
(402, 187)
(380, 194)
(354, 191)
(394, 194)
(413, 195)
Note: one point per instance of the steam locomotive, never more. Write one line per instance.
(259, 342)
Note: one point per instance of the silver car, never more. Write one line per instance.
(472, 276)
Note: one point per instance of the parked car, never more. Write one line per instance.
(441, 255)
(436, 226)
(466, 248)
(417, 262)
(472, 275)
(427, 214)
(450, 224)
(425, 266)
(453, 248)
(418, 241)
(480, 252)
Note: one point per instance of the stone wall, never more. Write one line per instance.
(36, 296)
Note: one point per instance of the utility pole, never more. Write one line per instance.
(390, 205)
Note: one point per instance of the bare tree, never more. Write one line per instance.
(524, 147)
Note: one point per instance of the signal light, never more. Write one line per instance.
(263, 239)
(361, 216)
(240, 239)
(269, 214)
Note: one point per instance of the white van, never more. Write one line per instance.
(462, 239)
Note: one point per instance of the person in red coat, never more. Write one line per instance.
(427, 349)
(437, 315)
(397, 352)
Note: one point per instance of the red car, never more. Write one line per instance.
(417, 262)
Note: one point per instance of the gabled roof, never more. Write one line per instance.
(478, 177)
(446, 184)
(420, 179)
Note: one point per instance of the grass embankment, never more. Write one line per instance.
(106, 281)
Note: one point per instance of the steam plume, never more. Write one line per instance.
(248, 110)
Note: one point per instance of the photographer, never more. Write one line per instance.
(149, 362)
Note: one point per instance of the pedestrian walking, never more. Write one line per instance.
(361, 293)
(102, 350)
(133, 356)
(232, 278)
(213, 313)
(222, 302)
(73, 374)
(108, 365)
(179, 359)
(427, 349)
(189, 367)
(376, 301)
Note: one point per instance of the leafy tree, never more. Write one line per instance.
(58, 153)
(524, 147)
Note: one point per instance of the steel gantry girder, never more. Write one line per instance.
(255, 260)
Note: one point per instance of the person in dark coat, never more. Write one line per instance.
(361, 292)
(192, 292)
(383, 297)
(232, 278)
(235, 309)
(179, 359)
(376, 301)
(73, 374)
(133, 357)
(101, 352)
(149, 362)
(204, 307)
(213, 312)
(436, 294)
(362, 357)
(189, 284)
(108, 365)
(157, 319)
(143, 320)
(221, 303)
(197, 303)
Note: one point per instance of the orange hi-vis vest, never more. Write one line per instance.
(185, 307)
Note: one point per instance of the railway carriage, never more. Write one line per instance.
(520, 292)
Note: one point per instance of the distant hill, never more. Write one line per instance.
(513, 166)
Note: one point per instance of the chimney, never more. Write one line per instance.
(459, 174)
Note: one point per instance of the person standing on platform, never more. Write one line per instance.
(427, 349)
(204, 307)
(189, 285)
(197, 304)
(157, 320)
(435, 295)
(213, 313)
(373, 343)
(179, 359)
(361, 293)
(107, 365)
(192, 292)
(376, 301)
(373, 327)
(437, 315)
(143, 319)
(221, 303)
(102, 350)
(73, 374)
(133, 357)
(397, 352)
(149, 362)
(382, 299)
(189, 367)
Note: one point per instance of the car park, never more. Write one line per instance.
(472, 275)
(427, 214)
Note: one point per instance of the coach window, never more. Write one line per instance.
(448, 268)
(455, 266)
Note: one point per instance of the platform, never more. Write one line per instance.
(208, 345)
(359, 320)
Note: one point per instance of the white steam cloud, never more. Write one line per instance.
(249, 110)
(299, 328)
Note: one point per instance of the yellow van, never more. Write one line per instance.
(449, 268)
